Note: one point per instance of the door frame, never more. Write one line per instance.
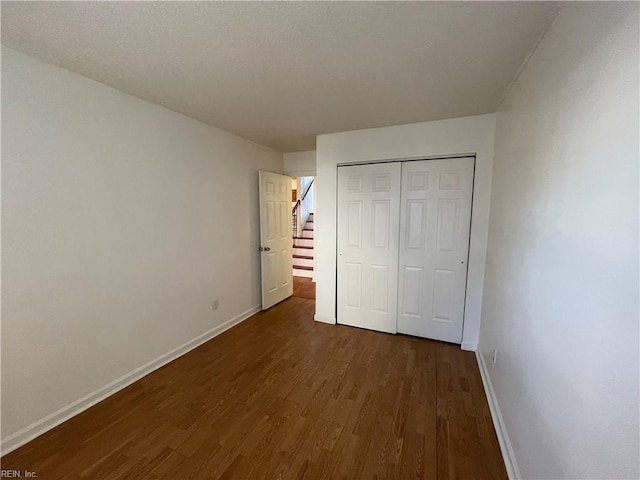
(417, 159)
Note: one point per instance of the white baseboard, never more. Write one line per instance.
(45, 424)
(469, 346)
(323, 319)
(503, 438)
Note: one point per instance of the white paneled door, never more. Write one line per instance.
(403, 245)
(368, 231)
(275, 238)
(434, 246)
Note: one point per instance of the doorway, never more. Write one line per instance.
(302, 220)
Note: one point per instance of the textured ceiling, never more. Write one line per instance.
(280, 73)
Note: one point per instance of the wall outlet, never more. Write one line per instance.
(495, 355)
(214, 305)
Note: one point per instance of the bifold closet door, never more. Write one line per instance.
(368, 232)
(434, 246)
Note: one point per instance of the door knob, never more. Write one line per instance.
(264, 249)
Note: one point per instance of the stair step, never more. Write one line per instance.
(306, 257)
(303, 242)
(303, 251)
(302, 262)
(302, 246)
(299, 272)
(301, 267)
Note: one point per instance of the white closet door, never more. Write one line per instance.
(434, 246)
(368, 231)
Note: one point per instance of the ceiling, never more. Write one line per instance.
(280, 73)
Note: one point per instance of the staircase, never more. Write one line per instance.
(303, 251)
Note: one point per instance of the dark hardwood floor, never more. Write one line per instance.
(282, 396)
(304, 287)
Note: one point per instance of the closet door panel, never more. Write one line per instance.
(434, 244)
(368, 232)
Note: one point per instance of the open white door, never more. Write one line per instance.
(368, 230)
(434, 246)
(275, 238)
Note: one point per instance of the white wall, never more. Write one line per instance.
(469, 135)
(122, 221)
(300, 164)
(306, 206)
(561, 285)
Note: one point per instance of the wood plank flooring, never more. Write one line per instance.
(282, 396)
(304, 287)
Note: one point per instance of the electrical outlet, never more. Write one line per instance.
(214, 305)
(495, 355)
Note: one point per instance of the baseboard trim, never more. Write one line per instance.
(54, 419)
(323, 319)
(469, 346)
(498, 423)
